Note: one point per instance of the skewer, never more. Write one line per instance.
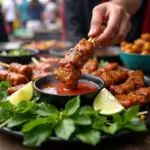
(92, 40)
(42, 58)
(142, 113)
(35, 60)
(4, 64)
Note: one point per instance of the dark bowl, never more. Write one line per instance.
(108, 53)
(61, 100)
(24, 59)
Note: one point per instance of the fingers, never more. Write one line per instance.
(113, 26)
(97, 19)
(124, 29)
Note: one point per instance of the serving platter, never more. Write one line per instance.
(54, 139)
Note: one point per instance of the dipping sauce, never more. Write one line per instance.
(59, 88)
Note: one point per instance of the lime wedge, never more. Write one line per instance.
(25, 93)
(107, 103)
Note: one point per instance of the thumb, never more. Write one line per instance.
(97, 19)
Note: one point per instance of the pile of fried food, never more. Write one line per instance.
(127, 86)
(139, 46)
(44, 45)
(18, 74)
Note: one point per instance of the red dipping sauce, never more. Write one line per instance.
(58, 87)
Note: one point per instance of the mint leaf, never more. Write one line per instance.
(40, 121)
(86, 110)
(37, 136)
(4, 114)
(131, 113)
(44, 109)
(4, 85)
(82, 120)
(91, 137)
(99, 122)
(3, 95)
(6, 105)
(64, 129)
(24, 106)
(103, 63)
(117, 118)
(19, 119)
(111, 129)
(72, 106)
(136, 125)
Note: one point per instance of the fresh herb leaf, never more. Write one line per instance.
(40, 121)
(131, 113)
(86, 110)
(64, 129)
(4, 85)
(72, 106)
(111, 129)
(103, 63)
(81, 119)
(44, 109)
(24, 106)
(136, 125)
(6, 105)
(19, 119)
(4, 114)
(3, 95)
(91, 137)
(99, 122)
(37, 136)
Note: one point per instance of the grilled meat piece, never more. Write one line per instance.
(21, 69)
(135, 81)
(3, 74)
(138, 97)
(13, 89)
(114, 77)
(16, 79)
(90, 66)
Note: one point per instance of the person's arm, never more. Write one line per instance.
(131, 6)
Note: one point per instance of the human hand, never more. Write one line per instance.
(118, 24)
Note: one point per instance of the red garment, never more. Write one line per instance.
(146, 22)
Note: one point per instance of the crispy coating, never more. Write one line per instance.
(114, 77)
(21, 69)
(135, 81)
(16, 79)
(138, 97)
(90, 66)
(69, 70)
(69, 75)
(145, 36)
(13, 89)
(3, 74)
(109, 67)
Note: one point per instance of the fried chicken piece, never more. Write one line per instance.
(135, 81)
(145, 36)
(109, 67)
(21, 69)
(13, 89)
(69, 75)
(138, 97)
(90, 66)
(16, 78)
(69, 70)
(114, 77)
(3, 74)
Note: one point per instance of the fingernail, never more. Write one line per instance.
(92, 31)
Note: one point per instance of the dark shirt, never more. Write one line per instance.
(78, 17)
(35, 13)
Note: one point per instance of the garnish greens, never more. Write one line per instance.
(103, 63)
(15, 52)
(37, 120)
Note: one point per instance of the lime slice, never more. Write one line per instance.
(25, 93)
(107, 103)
